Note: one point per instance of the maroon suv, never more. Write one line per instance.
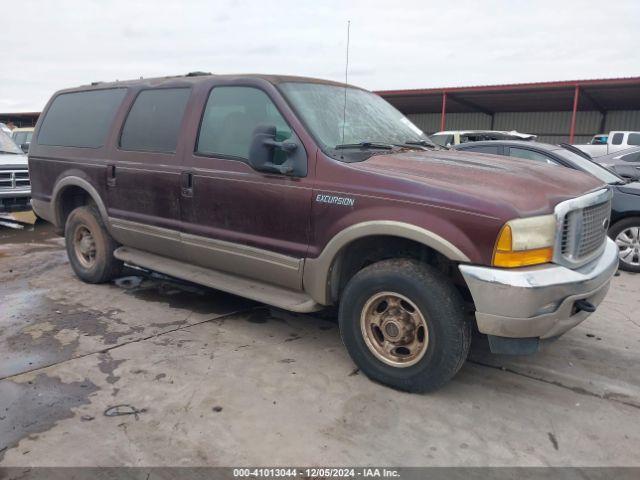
(302, 194)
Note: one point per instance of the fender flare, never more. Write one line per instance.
(317, 271)
(73, 181)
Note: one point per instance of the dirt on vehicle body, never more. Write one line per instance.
(271, 188)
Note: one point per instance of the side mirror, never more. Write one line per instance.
(25, 147)
(262, 149)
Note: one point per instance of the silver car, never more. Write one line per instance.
(15, 188)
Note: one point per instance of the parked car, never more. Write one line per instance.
(266, 187)
(614, 142)
(625, 163)
(600, 139)
(5, 129)
(450, 138)
(625, 216)
(22, 137)
(15, 190)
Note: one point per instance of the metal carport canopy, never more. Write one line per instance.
(601, 95)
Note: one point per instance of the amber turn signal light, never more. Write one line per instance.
(505, 256)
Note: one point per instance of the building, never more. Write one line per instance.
(568, 111)
(19, 120)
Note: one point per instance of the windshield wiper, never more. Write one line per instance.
(12, 153)
(373, 145)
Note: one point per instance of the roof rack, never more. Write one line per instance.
(197, 74)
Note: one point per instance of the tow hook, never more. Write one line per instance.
(585, 306)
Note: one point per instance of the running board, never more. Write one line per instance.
(255, 290)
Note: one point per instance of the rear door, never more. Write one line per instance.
(237, 219)
(143, 175)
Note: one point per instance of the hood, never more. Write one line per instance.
(490, 184)
(632, 188)
(11, 160)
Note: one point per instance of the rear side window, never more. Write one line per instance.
(231, 116)
(153, 123)
(617, 138)
(530, 155)
(483, 149)
(442, 139)
(634, 139)
(631, 157)
(81, 119)
(22, 137)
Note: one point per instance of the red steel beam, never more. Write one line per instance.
(605, 82)
(576, 98)
(443, 115)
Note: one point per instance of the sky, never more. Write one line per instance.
(54, 44)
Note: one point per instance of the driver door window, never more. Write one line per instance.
(230, 117)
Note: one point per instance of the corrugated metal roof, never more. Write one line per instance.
(519, 86)
(596, 94)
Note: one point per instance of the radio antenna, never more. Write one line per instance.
(346, 77)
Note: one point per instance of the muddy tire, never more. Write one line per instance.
(626, 234)
(90, 246)
(404, 325)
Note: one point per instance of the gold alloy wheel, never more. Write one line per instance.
(84, 246)
(394, 329)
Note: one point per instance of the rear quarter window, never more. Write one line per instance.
(80, 119)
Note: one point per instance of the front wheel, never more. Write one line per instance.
(626, 234)
(404, 325)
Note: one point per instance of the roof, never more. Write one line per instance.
(197, 77)
(598, 94)
(547, 147)
(512, 133)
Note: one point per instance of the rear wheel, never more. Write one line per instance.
(626, 234)
(404, 325)
(90, 246)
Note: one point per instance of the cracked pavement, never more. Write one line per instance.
(152, 372)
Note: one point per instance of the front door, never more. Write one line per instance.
(235, 218)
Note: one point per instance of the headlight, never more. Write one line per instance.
(525, 241)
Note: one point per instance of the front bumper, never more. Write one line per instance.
(15, 200)
(537, 302)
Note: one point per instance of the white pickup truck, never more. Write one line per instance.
(602, 144)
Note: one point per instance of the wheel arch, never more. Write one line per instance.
(321, 274)
(72, 186)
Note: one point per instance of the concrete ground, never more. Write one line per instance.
(150, 372)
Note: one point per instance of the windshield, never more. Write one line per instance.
(588, 166)
(7, 145)
(367, 118)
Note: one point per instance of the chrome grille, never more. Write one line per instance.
(584, 231)
(14, 179)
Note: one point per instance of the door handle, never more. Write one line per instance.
(187, 184)
(111, 175)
